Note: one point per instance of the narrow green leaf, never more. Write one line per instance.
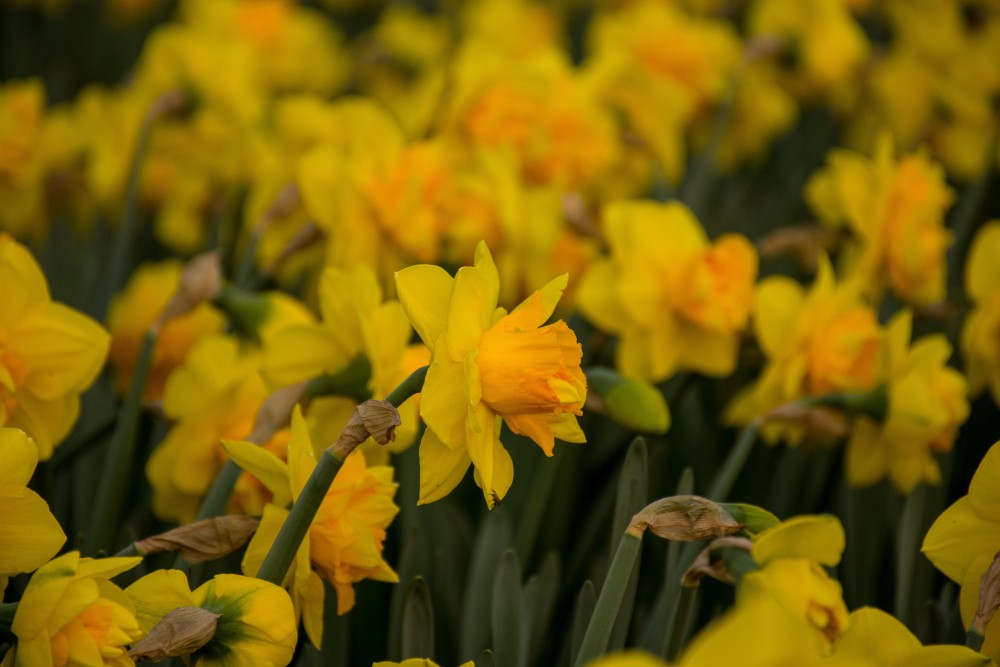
(586, 600)
(493, 538)
(486, 659)
(609, 602)
(633, 483)
(538, 603)
(506, 611)
(418, 621)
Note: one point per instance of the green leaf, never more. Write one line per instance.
(633, 493)
(493, 538)
(753, 519)
(586, 600)
(506, 611)
(418, 621)
(538, 601)
(486, 659)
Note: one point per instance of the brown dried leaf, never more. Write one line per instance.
(684, 518)
(989, 596)
(707, 564)
(181, 632)
(202, 540)
(201, 280)
(822, 423)
(373, 418)
(275, 412)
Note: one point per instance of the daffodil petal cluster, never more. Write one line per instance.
(979, 343)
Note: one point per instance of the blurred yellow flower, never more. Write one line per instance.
(965, 539)
(675, 300)
(344, 543)
(136, 308)
(22, 117)
(49, 353)
(926, 405)
(488, 366)
(415, 662)
(979, 342)
(818, 341)
(895, 208)
(632, 658)
(71, 614)
(256, 624)
(29, 535)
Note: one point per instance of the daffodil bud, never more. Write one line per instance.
(200, 280)
(180, 633)
(685, 519)
(203, 540)
(635, 404)
(375, 419)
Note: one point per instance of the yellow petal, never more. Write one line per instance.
(19, 455)
(537, 308)
(301, 459)
(874, 637)
(29, 534)
(473, 300)
(868, 458)
(262, 464)
(22, 278)
(301, 352)
(777, 303)
(441, 468)
(984, 490)
(597, 296)
(443, 399)
(958, 536)
(48, 422)
(815, 537)
(312, 609)
(493, 465)
(982, 271)
(106, 567)
(157, 594)
(267, 530)
(425, 292)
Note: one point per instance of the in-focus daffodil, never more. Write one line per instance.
(344, 543)
(256, 624)
(29, 535)
(71, 614)
(926, 405)
(49, 353)
(980, 343)
(675, 300)
(895, 208)
(965, 539)
(488, 366)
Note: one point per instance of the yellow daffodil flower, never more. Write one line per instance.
(71, 614)
(980, 345)
(488, 366)
(675, 300)
(818, 341)
(926, 405)
(29, 535)
(895, 208)
(256, 624)
(344, 543)
(49, 353)
(633, 658)
(22, 121)
(415, 662)
(136, 308)
(963, 541)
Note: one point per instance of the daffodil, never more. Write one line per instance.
(49, 353)
(817, 341)
(256, 624)
(22, 119)
(136, 308)
(675, 300)
(415, 662)
(895, 208)
(926, 405)
(344, 543)
(980, 345)
(71, 614)
(488, 367)
(965, 539)
(30, 535)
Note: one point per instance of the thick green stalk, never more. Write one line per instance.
(129, 550)
(680, 619)
(907, 550)
(974, 639)
(282, 552)
(113, 486)
(534, 512)
(218, 494)
(609, 602)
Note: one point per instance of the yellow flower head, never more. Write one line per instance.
(488, 366)
(49, 353)
(980, 342)
(344, 543)
(214, 395)
(675, 300)
(256, 624)
(818, 341)
(29, 535)
(71, 614)
(926, 405)
(965, 538)
(895, 208)
(136, 308)
(22, 119)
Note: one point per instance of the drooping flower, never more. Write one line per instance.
(980, 340)
(926, 405)
(29, 534)
(344, 543)
(488, 366)
(71, 614)
(895, 209)
(965, 539)
(49, 353)
(818, 341)
(135, 308)
(675, 300)
(256, 624)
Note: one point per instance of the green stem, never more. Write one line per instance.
(974, 639)
(282, 552)
(595, 639)
(680, 619)
(723, 482)
(217, 497)
(534, 512)
(907, 548)
(129, 550)
(244, 272)
(113, 486)
(68, 452)
(7, 611)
